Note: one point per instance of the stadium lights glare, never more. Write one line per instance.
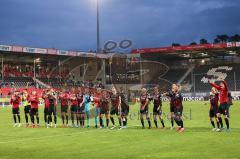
(203, 61)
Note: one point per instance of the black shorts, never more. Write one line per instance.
(114, 111)
(46, 110)
(156, 111)
(64, 109)
(27, 109)
(15, 111)
(104, 111)
(224, 109)
(213, 112)
(80, 110)
(125, 111)
(144, 111)
(171, 108)
(74, 109)
(52, 110)
(34, 111)
(178, 111)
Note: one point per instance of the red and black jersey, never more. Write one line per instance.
(34, 100)
(15, 101)
(214, 98)
(46, 100)
(52, 100)
(144, 100)
(178, 100)
(157, 100)
(74, 100)
(97, 100)
(104, 103)
(171, 95)
(115, 100)
(223, 95)
(64, 99)
(79, 98)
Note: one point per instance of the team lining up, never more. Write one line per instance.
(80, 104)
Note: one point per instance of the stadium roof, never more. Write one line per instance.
(193, 51)
(43, 51)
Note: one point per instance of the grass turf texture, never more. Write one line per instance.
(196, 142)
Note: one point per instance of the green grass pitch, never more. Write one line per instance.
(66, 143)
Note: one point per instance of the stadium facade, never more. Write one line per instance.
(190, 66)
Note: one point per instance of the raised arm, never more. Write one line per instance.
(225, 84)
(215, 85)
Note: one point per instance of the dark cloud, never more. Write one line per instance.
(149, 23)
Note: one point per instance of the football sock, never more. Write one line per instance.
(79, 119)
(220, 121)
(26, 118)
(227, 122)
(72, 118)
(55, 119)
(14, 118)
(112, 120)
(149, 122)
(162, 123)
(107, 122)
(45, 117)
(120, 121)
(19, 119)
(212, 122)
(124, 122)
(142, 121)
(49, 118)
(67, 119)
(63, 119)
(37, 117)
(155, 122)
(101, 121)
(218, 124)
(177, 122)
(32, 119)
(172, 122)
(181, 123)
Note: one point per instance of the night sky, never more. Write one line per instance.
(71, 24)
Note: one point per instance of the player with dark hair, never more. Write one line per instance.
(80, 109)
(104, 108)
(157, 108)
(74, 105)
(115, 107)
(27, 106)
(63, 97)
(124, 109)
(144, 105)
(34, 100)
(223, 98)
(46, 106)
(214, 109)
(52, 108)
(15, 102)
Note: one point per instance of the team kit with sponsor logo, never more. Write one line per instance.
(109, 104)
